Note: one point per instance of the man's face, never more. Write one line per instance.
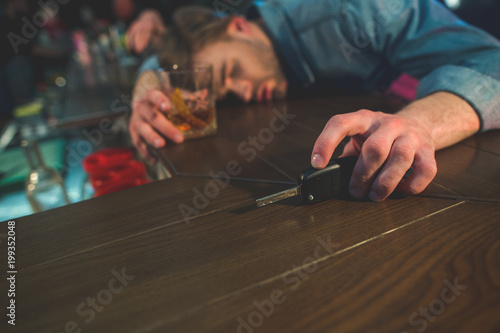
(245, 67)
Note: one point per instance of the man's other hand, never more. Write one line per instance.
(387, 146)
(144, 30)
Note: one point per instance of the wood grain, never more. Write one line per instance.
(381, 285)
(182, 268)
(489, 141)
(253, 135)
(118, 216)
(469, 172)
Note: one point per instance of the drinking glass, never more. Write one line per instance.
(191, 94)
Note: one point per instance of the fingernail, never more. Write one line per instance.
(374, 196)
(164, 106)
(158, 143)
(356, 192)
(178, 138)
(317, 161)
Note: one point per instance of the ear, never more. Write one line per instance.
(239, 25)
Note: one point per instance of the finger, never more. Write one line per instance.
(398, 163)
(152, 118)
(158, 99)
(148, 134)
(350, 149)
(133, 135)
(424, 171)
(337, 128)
(146, 153)
(374, 153)
(141, 147)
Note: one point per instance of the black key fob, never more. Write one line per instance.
(329, 182)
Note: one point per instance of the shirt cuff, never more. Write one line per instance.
(481, 91)
(152, 63)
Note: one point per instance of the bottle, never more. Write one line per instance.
(44, 186)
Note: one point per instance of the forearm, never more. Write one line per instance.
(448, 118)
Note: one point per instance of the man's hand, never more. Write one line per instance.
(388, 145)
(146, 28)
(148, 123)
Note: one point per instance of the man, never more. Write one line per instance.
(356, 44)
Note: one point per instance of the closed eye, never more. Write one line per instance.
(235, 71)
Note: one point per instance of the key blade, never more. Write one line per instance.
(278, 196)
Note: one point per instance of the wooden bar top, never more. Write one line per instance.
(193, 253)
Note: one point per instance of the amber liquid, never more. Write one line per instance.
(198, 124)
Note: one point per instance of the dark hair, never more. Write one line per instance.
(192, 28)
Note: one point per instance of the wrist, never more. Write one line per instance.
(146, 82)
(447, 118)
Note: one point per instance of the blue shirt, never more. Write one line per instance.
(368, 43)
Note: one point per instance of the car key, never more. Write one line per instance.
(319, 184)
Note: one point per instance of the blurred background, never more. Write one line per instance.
(482, 13)
(66, 76)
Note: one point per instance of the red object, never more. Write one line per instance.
(113, 170)
(106, 158)
(120, 174)
(405, 86)
(121, 186)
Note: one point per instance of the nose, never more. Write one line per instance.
(240, 87)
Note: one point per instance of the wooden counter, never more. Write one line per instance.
(193, 253)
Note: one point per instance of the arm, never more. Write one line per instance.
(427, 41)
(448, 118)
(148, 123)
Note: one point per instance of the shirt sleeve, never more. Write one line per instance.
(427, 41)
(150, 64)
